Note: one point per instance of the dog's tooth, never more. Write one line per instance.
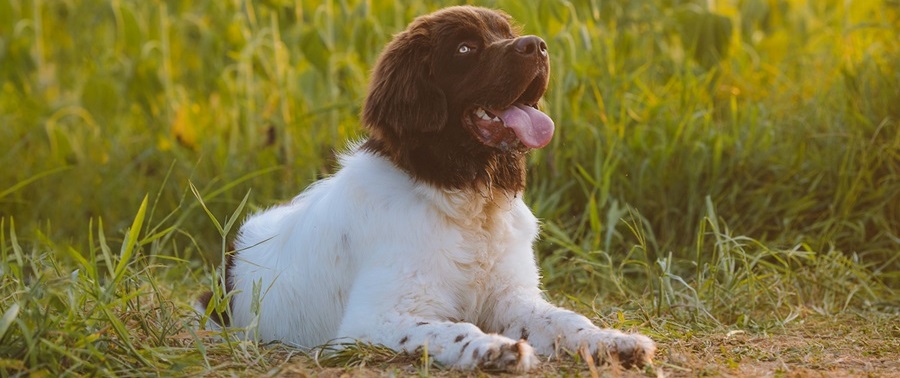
(480, 113)
(495, 119)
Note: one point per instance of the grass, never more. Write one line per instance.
(725, 176)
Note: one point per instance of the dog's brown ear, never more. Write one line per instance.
(402, 95)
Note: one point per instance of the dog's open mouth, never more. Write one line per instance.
(504, 128)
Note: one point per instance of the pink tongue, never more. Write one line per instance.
(533, 128)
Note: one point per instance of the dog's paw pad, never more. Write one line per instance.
(628, 350)
(516, 357)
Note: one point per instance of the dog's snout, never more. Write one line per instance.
(530, 45)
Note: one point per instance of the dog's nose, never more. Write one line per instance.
(529, 45)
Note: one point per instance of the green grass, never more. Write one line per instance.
(724, 172)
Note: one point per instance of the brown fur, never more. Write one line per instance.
(421, 90)
(221, 318)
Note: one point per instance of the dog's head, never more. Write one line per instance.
(453, 99)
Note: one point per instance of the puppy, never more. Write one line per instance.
(422, 239)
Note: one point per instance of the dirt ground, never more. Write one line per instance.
(837, 351)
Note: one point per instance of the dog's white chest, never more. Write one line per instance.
(485, 233)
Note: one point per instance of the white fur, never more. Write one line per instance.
(370, 254)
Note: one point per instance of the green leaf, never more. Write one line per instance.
(237, 212)
(705, 34)
(104, 248)
(131, 239)
(206, 209)
(23, 183)
(315, 50)
(8, 318)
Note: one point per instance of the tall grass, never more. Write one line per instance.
(717, 163)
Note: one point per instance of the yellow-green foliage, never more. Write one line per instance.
(792, 128)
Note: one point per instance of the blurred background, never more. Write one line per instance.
(700, 144)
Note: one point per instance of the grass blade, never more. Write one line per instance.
(130, 242)
(206, 209)
(23, 183)
(8, 318)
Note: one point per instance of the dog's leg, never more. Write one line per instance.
(385, 309)
(526, 315)
(458, 345)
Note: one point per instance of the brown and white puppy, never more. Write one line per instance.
(421, 239)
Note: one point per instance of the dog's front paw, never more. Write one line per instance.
(611, 346)
(498, 353)
(517, 357)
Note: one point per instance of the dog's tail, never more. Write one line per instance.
(219, 319)
(218, 316)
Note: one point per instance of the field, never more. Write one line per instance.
(725, 177)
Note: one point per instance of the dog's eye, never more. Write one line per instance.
(465, 49)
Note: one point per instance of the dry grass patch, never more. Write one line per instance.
(847, 345)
